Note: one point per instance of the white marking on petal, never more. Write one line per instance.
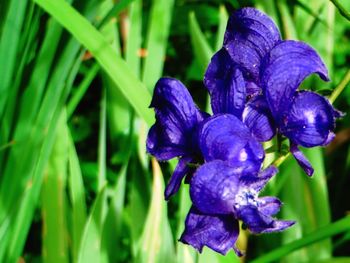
(243, 156)
(310, 116)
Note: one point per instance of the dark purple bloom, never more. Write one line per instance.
(174, 133)
(228, 91)
(253, 83)
(255, 76)
(306, 118)
(221, 196)
(225, 189)
(249, 36)
(233, 74)
(226, 85)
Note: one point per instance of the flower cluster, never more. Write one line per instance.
(253, 84)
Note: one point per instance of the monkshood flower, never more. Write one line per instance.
(255, 63)
(225, 189)
(229, 89)
(305, 117)
(175, 132)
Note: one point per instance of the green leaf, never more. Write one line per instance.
(341, 9)
(9, 41)
(156, 244)
(77, 196)
(335, 228)
(134, 37)
(202, 50)
(55, 239)
(90, 249)
(115, 67)
(113, 228)
(157, 36)
(223, 18)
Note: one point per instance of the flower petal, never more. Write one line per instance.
(181, 170)
(225, 137)
(258, 118)
(269, 205)
(258, 222)
(278, 226)
(225, 84)
(282, 71)
(176, 120)
(301, 159)
(257, 183)
(249, 35)
(310, 121)
(159, 144)
(246, 55)
(219, 233)
(213, 188)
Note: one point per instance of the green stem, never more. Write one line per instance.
(281, 159)
(341, 9)
(322, 233)
(340, 87)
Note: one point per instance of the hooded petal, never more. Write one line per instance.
(225, 137)
(225, 84)
(258, 222)
(213, 188)
(301, 159)
(176, 120)
(310, 121)
(219, 233)
(258, 118)
(249, 35)
(282, 71)
(257, 183)
(246, 55)
(181, 170)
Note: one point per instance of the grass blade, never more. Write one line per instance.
(90, 250)
(55, 241)
(335, 228)
(341, 9)
(134, 37)
(115, 67)
(9, 43)
(200, 45)
(223, 18)
(77, 197)
(156, 243)
(157, 36)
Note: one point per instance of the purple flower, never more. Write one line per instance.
(225, 189)
(224, 137)
(228, 91)
(255, 63)
(174, 133)
(305, 117)
(222, 195)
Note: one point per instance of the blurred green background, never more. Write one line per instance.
(76, 79)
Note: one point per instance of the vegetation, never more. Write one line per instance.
(76, 183)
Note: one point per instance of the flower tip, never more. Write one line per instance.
(238, 252)
(338, 114)
(169, 192)
(309, 171)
